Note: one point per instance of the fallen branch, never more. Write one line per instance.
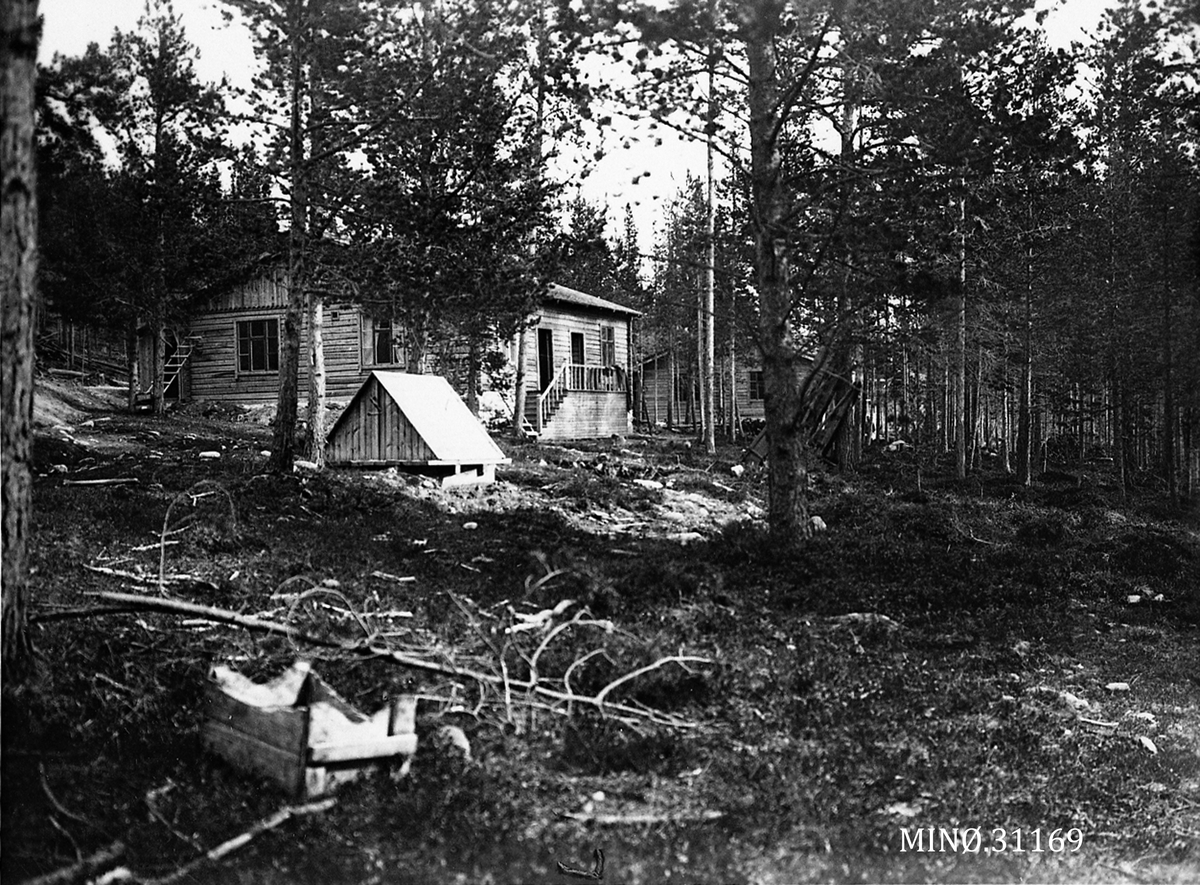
(399, 579)
(85, 869)
(635, 819)
(152, 806)
(128, 480)
(676, 659)
(86, 612)
(154, 546)
(188, 580)
(270, 823)
(60, 808)
(178, 606)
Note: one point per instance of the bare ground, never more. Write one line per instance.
(944, 657)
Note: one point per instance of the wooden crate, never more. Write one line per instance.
(297, 732)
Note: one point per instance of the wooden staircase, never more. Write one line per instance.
(549, 401)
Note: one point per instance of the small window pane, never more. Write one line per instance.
(608, 346)
(756, 384)
(258, 345)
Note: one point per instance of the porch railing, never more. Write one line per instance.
(596, 379)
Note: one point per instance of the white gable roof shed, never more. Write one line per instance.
(417, 422)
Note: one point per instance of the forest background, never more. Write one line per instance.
(991, 238)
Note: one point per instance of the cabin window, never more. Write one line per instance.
(577, 357)
(756, 384)
(258, 345)
(383, 343)
(608, 346)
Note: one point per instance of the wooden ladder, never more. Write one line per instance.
(174, 364)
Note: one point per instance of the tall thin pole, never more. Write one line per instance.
(708, 311)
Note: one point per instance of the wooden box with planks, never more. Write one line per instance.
(297, 732)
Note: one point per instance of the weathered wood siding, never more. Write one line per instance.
(656, 390)
(213, 371)
(586, 415)
(747, 408)
(374, 430)
(562, 320)
(656, 378)
(583, 415)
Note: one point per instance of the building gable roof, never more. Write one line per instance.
(438, 415)
(563, 295)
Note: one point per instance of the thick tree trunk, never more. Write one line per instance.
(283, 449)
(158, 389)
(18, 264)
(787, 510)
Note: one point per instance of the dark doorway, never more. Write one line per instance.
(545, 346)
(577, 358)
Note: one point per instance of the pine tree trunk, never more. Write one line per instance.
(1005, 428)
(18, 261)
(787, 475)
(519, 384)
(317, 378)
(1191, 458)
(158, 327)
(696, 391)
(473, 369)
(708, 434)
(1025, 398)
(133, 363)
(1170, 418)
(672, 386)
(283, 448)
(733, 398)
(960, 346)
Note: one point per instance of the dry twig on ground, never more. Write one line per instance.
(280, 817)
(365, 647)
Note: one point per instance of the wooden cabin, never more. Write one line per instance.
(578, 355)
(231, 348)
(416, 422)
(668, 387)
(578, 366)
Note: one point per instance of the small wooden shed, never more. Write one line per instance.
(416, 422)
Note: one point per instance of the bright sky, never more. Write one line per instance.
(70, 25)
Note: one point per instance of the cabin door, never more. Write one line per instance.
(545, 347)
